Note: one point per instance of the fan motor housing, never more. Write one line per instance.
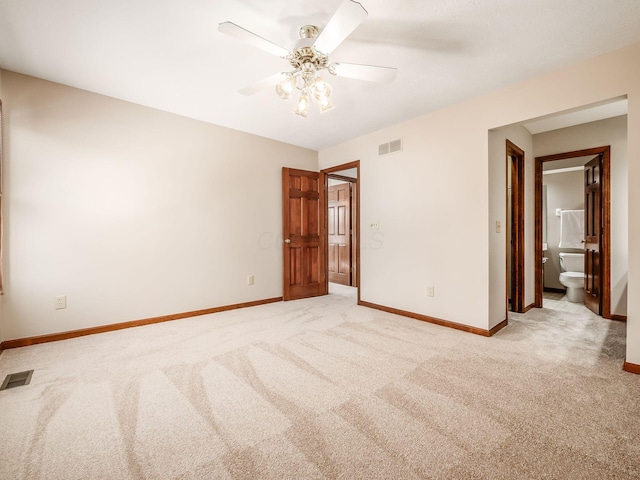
(308, 55)
(305, 56)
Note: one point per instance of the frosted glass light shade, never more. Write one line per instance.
(302, 107)
(325, 104)
(320, 88)
(285, 88)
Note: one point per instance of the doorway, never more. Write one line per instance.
(597, 221)
(342, 224)
(341, 237)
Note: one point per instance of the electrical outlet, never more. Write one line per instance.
(431, 291)
(497, 226)
(60, 302)
(250, 280)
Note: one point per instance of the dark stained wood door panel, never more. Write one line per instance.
(303, 233)
(339, 226)
(593, 235)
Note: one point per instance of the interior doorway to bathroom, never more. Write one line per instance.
(596, 168)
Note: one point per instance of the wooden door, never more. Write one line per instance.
(339, 231)
(303, 233)
(593, 235)
(515, 163)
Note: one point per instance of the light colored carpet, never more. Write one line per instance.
(322, 388)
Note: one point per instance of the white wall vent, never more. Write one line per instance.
(391, 147)
(395, 146)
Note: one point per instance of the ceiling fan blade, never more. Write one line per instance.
(370, 73)
(349, 15)
(262, 84)
(244, 35)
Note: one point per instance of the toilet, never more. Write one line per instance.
(572, 276)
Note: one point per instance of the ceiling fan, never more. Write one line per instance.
(311, 56)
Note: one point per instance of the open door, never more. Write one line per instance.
(515, 228)
(303, 233)
(339, 230)
(593, 235)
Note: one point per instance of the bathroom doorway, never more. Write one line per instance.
(597, 220)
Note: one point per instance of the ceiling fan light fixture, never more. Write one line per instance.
(302, 107)
(311, 56)
(325, 104)
(285, 88)
(320, 88)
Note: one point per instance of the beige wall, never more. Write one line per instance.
(437, 202)
(132, 212)
(564, 191)
(613, 132)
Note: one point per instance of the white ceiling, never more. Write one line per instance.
(578, 116)
(566, 165)
(169, 55)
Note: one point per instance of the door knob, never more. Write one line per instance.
(286, 240)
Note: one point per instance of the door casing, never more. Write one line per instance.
(355, 221)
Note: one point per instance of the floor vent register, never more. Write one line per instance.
(16, 380)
